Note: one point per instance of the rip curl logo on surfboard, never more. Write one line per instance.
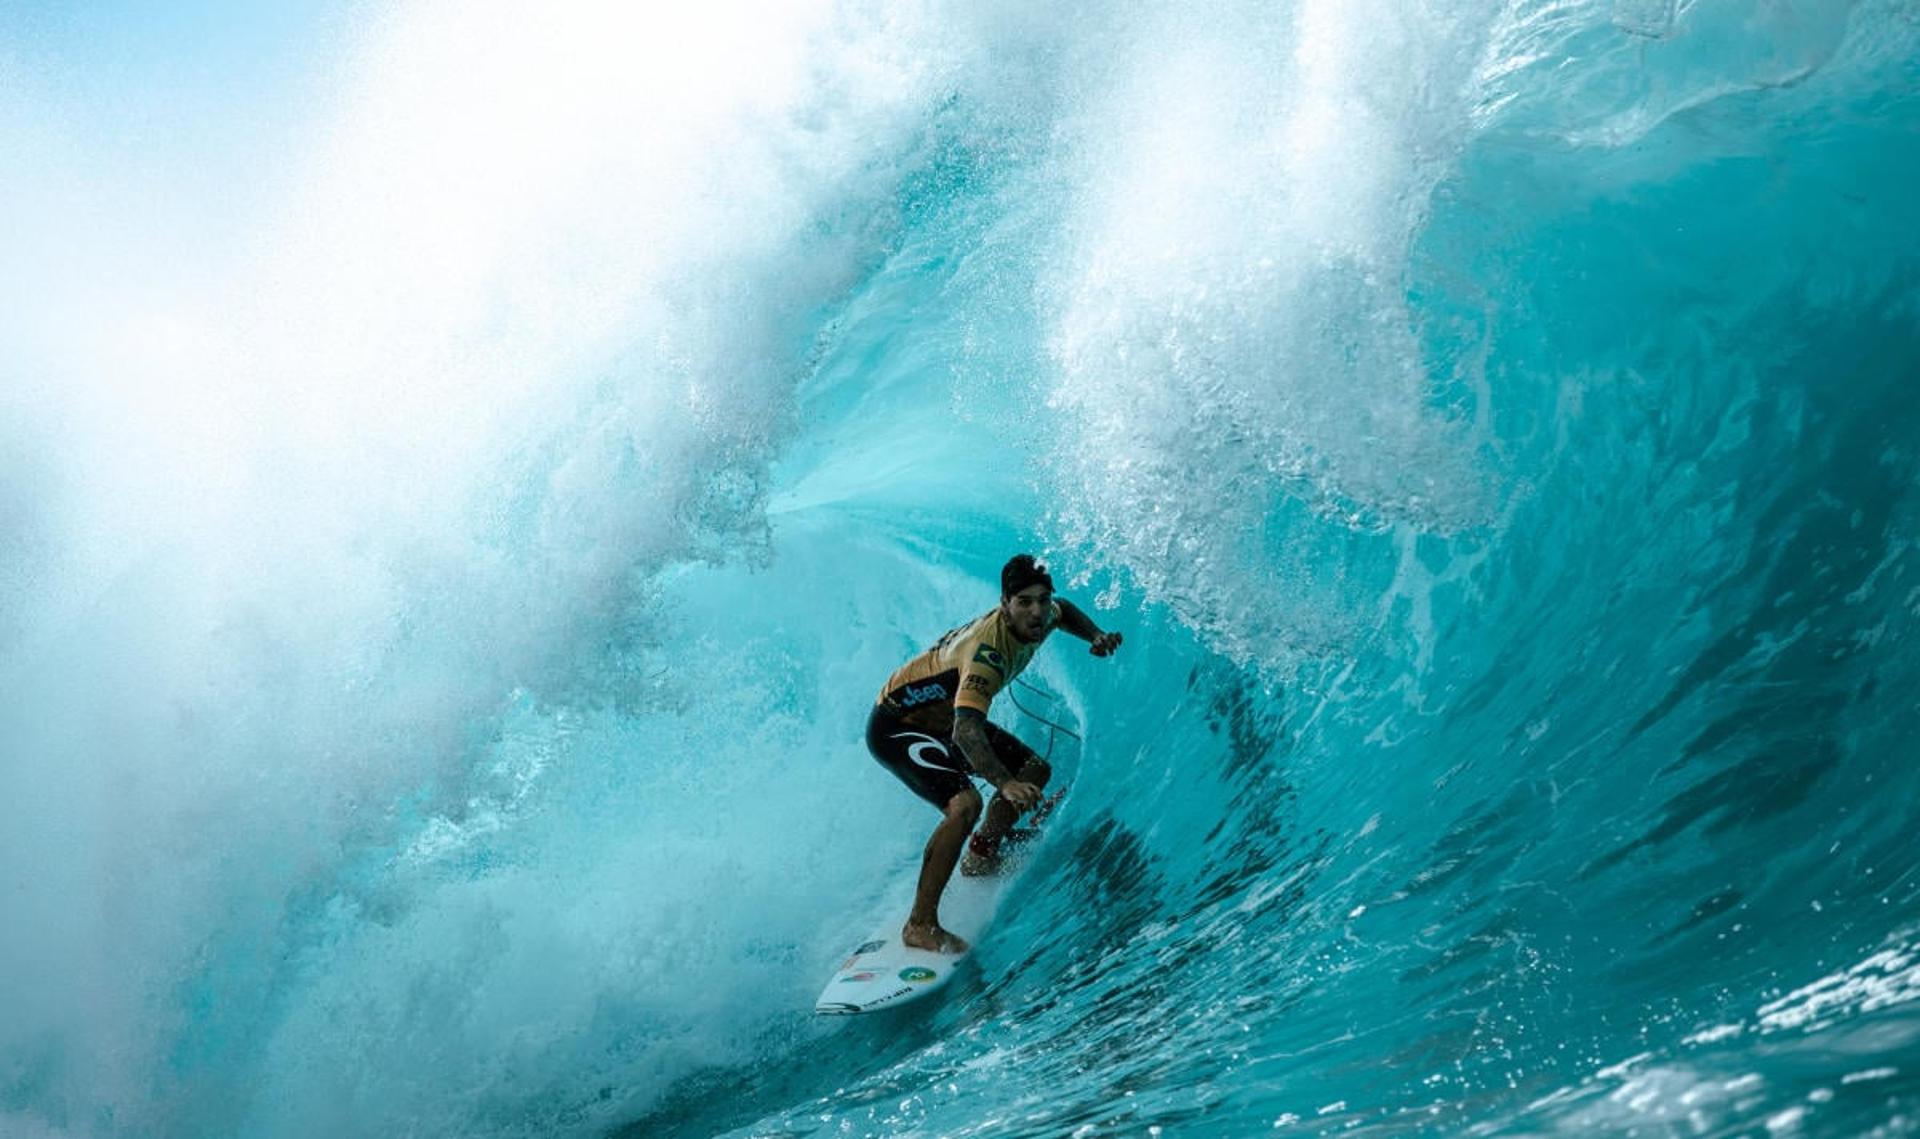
(855, 956)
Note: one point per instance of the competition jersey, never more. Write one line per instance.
(966, 668)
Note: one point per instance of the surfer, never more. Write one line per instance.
(930, 729)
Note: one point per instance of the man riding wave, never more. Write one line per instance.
(929, 728)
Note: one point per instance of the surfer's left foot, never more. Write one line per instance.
(931, 937)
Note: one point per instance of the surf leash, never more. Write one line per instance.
(1052, 727)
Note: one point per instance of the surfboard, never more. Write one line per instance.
(883, 972)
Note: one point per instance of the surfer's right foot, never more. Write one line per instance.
(983, 856)
(931, 937)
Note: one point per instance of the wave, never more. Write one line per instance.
(435, 655)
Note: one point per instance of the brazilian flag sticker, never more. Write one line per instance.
(990, 656)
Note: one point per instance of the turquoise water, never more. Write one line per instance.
(438, 613)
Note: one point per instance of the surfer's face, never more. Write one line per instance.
(1028, 611)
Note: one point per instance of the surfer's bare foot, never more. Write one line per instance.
(983, 856)
(931, 937)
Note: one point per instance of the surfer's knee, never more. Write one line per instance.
(1036, 772)
(964, 807)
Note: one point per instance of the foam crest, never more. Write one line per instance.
(1232, 342)
(521, 336)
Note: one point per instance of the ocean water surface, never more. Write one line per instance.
(465, 471)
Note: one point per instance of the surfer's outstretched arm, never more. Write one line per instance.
(1073, 621)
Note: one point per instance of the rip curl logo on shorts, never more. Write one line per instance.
(917, 975)
(917, 752)
(990, 656)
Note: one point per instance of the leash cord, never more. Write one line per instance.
(1052, 727)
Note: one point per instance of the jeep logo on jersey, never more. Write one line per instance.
(917, 694)
(989, 656)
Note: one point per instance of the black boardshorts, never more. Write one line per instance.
(931, 766)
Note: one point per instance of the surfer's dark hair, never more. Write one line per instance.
(1022, 571)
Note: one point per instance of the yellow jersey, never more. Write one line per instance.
(966, 668)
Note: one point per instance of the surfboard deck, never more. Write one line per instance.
(884, 972)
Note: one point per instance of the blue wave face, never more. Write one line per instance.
(440, 711)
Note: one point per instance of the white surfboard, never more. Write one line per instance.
(884, 972)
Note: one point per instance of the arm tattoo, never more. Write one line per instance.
(971, 734)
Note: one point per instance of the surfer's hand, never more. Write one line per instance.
(1021, 795)
(1104, 644)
